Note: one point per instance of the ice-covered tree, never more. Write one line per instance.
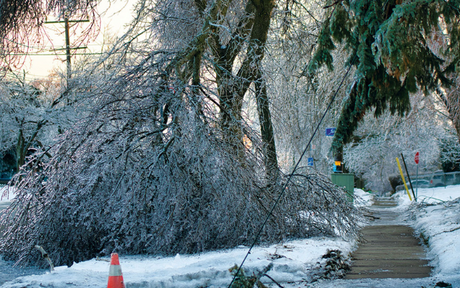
(166, 161)
(299, 100)
(378, 141)
(31, 117)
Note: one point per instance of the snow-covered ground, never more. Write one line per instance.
(294, 262)
(6, 193)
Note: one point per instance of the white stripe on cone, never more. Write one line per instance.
(115, 270)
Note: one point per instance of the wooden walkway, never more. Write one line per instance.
(388, 251)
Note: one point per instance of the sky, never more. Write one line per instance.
(295, 262)
(114, 17)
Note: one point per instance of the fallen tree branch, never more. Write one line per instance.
(46, 256)
(371, 216)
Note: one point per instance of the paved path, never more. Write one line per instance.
(388, 250)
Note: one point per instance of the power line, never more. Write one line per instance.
(54, 54)
(70, 21)
(23, 45)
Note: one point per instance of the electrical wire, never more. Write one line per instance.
(283, 189)
(56, 54)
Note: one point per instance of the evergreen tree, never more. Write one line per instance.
(391, 44)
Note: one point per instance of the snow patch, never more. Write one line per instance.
(363, 198)
(7, 193)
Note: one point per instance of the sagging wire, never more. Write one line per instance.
(283, 189)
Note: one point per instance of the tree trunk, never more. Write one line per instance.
(22, 146)
(232, 89)
(20, 151)
(452, 102)
(252, 28)
(454, 109)
(230, 113)
(266, 130)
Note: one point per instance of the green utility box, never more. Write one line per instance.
(346, 181)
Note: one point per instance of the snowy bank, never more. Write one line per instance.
(436, 218)
(439, 226)
(430, 195)
(292, 263)
(363, 198)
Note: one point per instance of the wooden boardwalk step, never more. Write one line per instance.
(388, 251)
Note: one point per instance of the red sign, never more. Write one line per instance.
(417, 157)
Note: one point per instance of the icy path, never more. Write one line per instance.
(388, 250)
(436, 216)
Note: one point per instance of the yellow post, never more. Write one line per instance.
(404, 181)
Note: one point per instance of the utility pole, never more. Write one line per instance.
(67, 42)
(67, 47)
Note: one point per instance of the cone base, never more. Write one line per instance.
(116, 282)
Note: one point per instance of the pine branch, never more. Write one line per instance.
(333, 4)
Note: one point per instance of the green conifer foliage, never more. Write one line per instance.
(393, 48)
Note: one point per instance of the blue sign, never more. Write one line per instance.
(330, 131)
(310, 162)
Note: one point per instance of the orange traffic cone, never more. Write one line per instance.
(115, 275)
